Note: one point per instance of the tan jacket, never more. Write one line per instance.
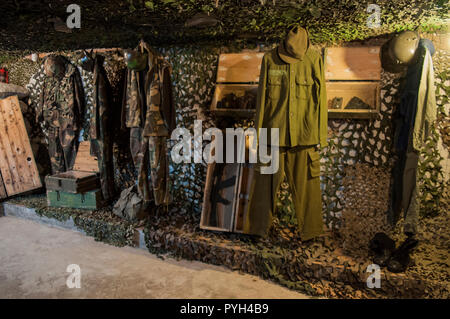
(426, 104)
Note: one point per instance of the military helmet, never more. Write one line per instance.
(135, 60)
(403, 47)
(399, 51)
(54, 66)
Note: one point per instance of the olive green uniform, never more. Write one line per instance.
(291, 97)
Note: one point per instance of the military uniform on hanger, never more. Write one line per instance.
(149, 112)
(291, 97)
(100, 128)
(61, 107)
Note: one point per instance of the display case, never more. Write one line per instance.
(237, 84)
(353, 77)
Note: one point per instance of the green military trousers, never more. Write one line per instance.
(301, 166)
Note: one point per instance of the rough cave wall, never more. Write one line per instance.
(351, 142)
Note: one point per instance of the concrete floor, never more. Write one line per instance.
(34, 258)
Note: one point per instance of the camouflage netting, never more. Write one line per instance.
(40, 25)
(355, 167)
(102, 224)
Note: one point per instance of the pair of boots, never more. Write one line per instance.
(396, 260)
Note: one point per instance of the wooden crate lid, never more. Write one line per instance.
(353, 63)
(84, 161)
(239, 67)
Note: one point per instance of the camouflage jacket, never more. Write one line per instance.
(61, 101)
(148, 98)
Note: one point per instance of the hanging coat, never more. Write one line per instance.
(100, 128)
(149, 111)
(61, 106)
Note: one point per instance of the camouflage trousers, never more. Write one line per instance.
(62, 149)
(151, 160)
(103, 151)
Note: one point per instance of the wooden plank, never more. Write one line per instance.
(352, 115)
(2, 188)
(244, 189)
(353, 63)
(84, 160)
(4, 163)
(17, 163)
(239, 67)
(25, 159)
(12, 182)
(366, 91)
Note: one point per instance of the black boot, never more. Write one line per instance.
(401, 259)
(383, 247)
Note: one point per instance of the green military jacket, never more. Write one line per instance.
(292, 97)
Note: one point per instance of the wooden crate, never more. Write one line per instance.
(89, 200)
(80, 182)
(236, 73)
(222, 217)
(18, 170)
(72, 182)
(228, 217)
(85, 161)
(353, 72)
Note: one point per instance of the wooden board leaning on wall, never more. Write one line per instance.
(17, 165)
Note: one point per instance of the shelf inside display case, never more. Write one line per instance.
(353, 77)
(353, 99)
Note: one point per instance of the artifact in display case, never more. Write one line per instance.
(239, 99)
(353, 77)
(237, 84)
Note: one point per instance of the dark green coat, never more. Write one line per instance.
(292, 97)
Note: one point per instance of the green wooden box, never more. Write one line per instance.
(73, 182)
(89, 200)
